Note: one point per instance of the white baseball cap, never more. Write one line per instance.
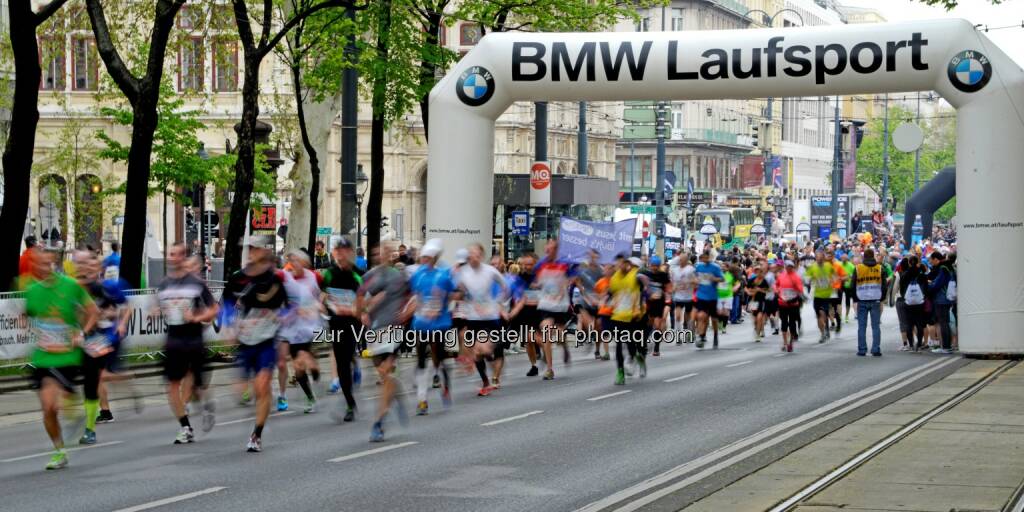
(461, 256)
(432, 248)
(636, 262)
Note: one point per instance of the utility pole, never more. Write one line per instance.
(885, 157)
(349, 135)
(581, 141)
(659, 175)
(917, 154)
(540, 155)
(837, 163)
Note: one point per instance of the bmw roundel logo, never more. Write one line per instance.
(475, 86)
(969, 71)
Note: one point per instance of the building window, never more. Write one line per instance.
(677, 19)
(644, 25)
(677, 120)
(225, 66)
(190, 65)
(84, 64)
(469, 34)
(190, 17)
(52, 58)
(222, 17)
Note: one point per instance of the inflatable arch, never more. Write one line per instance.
(947, 56)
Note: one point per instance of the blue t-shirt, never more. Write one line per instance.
(706, 288)
(432, 287)
(361, 263)
(113, 260)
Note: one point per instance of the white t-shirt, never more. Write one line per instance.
(684, 281)
(304, 319)
(480, 302)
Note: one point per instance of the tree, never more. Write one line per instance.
(21, 137)
(939, 151)
(254, 51)
(176, 166)
(141, 89)
(951, 4)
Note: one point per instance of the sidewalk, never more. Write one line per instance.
(970, 457)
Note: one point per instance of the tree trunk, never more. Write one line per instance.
(315, 120)
(428, 67)
(376, 198)
(299, 213)
(137, 187)
(244, 165)
(21, 138)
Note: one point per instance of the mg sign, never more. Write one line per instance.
(540, 184)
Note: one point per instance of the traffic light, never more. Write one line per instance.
(754, 129)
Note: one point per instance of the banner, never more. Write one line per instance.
(577, 237)
(752, 171)
(673, 240)
(540, 184)
(850, 165)
(821, 216)
(146, 326)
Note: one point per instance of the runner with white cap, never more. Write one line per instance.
(432, 288)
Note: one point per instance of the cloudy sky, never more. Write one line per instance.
(1009, 12)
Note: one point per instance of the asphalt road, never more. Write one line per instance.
(533, 445)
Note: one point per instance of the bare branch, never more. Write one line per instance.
(48, 10)
(119, 72)
(300, 16)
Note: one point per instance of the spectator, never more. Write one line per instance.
(113, 259)
(320, 257)
(361, 259)
(26, 261)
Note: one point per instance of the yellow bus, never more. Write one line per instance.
(732, 223)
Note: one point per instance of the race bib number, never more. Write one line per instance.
(98, 345)
(788, 294)
(174, 310)
(753, 307)
(341, 297)
(429, 307)
(532, 296)
(257, 326)
(53, 337)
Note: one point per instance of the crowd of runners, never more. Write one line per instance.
(283, 313)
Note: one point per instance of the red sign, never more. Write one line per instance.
(264, 217)
(752, 173)
(540, 176)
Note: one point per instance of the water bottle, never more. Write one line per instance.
(916, 231)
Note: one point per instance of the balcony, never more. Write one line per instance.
(706, 135)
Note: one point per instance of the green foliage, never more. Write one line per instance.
(939, 151)
(951, 4)
(176, 166)
(551, 15)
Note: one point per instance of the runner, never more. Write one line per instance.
(477, 282)
(626, 287)
(58, 310)
(789, 288)
(709, 275)
(185, 303)
(384, 297)
(553, 277)
(300, 325)
(587, 276)
(846, 292)
(771, 304)
(659, 286)
(432, 288)
(727, 287)
(836, 313)
(684, 285)
(339, 284)
(822, 275)
(757, 288)
(604, 310)
(258, 295)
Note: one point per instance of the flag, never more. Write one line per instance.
(776, 164)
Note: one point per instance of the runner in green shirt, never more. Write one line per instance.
(59, 310)
(846, 294)
(726, 287)
(822, 276)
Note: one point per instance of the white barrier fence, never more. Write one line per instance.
(146, 327)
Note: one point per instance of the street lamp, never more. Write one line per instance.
(361, 181)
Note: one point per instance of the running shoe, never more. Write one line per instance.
(59, 460)
(823, 339)
(630, 366)
(549, 375)
(533, 372)
(282, 404)
(775, 332)
(208, 419)
(606, 357)
(784, 347)
(597, 355)
(105, 417)
(421, 408)
(484, 391)
(904, 348)
(657, 353)
(377, 433)
(89, 437)
(790, 347)
(876, 354)
(335, 387)
(185, 436)
(437, 381)
(496, 383)
(620, 377)
(246, 398)
(310, 407)
(702, 341)
(255, 444)
(350, 415)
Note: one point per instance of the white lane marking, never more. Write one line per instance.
(43, 454)
(741, 363)
(687, 376)
(173, 499)
(780, 355)
(251, 418)
(510, 418)
(774, 435)
(609, 395)
(382, 449)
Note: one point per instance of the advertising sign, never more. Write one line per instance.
(540, 184)
(577, 237)
(521, 223)
(821, 216)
